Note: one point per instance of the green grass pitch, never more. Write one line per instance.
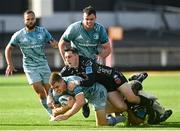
(20, 108)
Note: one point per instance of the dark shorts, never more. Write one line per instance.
(111, 84)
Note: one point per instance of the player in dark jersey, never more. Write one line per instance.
(112, 79)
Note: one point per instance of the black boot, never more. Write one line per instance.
(139, 77)
(166, 115)
(86, 110)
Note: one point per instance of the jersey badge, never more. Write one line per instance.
(88, 70)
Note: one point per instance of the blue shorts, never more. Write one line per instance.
(96, 95)
(38, 74)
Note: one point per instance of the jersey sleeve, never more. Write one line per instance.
(48, 36)
(69, 33)
(103, 35)
(78, 90)
(14, 39)
(66, 72)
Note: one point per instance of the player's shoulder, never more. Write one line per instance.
(86, 61)
(21, 31)
(75, 25)
(71, 78)
(65, 70)
(98, 26)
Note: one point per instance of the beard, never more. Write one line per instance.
(30, 26)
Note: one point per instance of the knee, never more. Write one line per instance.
(122, 107)
(133, 99)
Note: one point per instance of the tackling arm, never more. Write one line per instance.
(79, 102)
(61, 45)
(105, 50)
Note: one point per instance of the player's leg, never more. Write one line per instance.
(40, 91)
(46, 87)
(45, 73)
(117, 115)
(35, 79)
(101, 118)
(117, 101)
(127, 91)
(97, 96)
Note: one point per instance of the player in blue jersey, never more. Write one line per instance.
(87, 36)
(31, 40)
(95, 94)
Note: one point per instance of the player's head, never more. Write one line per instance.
(29, 19)
(71, 57)
(89, 17)
(57, 83)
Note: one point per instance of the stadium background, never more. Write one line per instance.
(149, 30)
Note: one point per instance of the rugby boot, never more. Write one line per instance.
(139, 77)
(166, 115)
(86, 110)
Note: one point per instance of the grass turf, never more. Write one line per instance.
(20, 108)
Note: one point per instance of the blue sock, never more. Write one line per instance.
(44, 103)
(111, 121)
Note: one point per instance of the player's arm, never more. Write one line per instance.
(66, 103)
(105, 50)
(89, 81)
(79, 102)
(8, 55)
(61, 45)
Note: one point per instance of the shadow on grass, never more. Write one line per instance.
(46, 125)
(50, 124)
(162, 125)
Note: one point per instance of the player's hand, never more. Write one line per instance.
(60, 118)
(54, 43)
(51, 105)
(100, 59)
(10, 69)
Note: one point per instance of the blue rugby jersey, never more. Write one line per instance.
(32, 46)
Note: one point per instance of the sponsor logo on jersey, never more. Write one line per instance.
(88, 70)
(104, 70)
(96, 36)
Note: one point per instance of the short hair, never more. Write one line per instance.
(55, 77)
(73, 50)
(89, 10)
(29, 12)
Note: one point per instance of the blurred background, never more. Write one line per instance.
(144, 34)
